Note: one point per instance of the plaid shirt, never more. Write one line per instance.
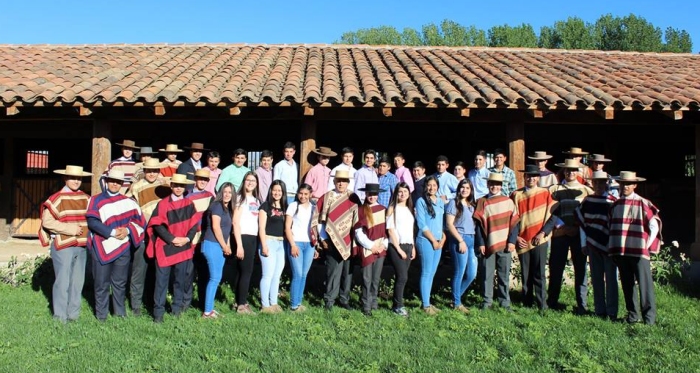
(509, 183)
(388, 182)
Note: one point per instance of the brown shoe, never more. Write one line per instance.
(430, 310)
(268, 310)
(462, 309)
(244, 309)
(277, 308)
(301, 308)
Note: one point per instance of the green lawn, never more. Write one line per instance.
(347, 341)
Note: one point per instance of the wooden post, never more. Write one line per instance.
(308, 143)
(694, 252)
(515, 133)
(6, 187)
(101, 151)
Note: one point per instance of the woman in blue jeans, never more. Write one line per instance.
(215, 245)
(430, 210)
(460, 224)
(301, 253)
(271, 231)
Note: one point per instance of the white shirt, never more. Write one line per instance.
(403, 224)
(301, 222)
(249, 216)
(289, 173)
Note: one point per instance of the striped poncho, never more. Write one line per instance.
(339, 213)
(534, 206)
(375, 230)
(126, 165)
(180, 219)
(66, 207)
(629, 227)
(147, 195)
(114, 212)
(201, 200)
(496, 215)
(567, 198)
(592, 217)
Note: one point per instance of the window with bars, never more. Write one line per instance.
(37, 162)
(689, 166)
(254, 159)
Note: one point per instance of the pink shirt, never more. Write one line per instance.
(318, 177)
(404, 174)
(264, 181)
(213, 178)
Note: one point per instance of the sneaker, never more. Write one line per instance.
(430, 310)
(301, 308)
(401, 311)
(462, 309)
(277, 308)
(244, 309)
(210, 315)
(268, 310)
(435, 309)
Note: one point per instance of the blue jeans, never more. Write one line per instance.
(300, 268)
(272, 266)
(465, 266)
(429, 260)
(215, 261)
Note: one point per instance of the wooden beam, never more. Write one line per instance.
(607, 113)
(515, 133)
(11, 110)
(159, 109)
(308, 111)
(234, 111)
(101, 152)
(536, 113)
(466, 112)
(83, 111)
(386, 111)
(308, 143)
(673, 114)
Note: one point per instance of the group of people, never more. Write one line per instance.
(171, 213)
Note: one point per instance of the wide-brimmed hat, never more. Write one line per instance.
(569, 163)
(71, 170)
(531, 169)
(342, 174)
(539, 156)
(202, 172)
(494, 176)
(322, 150)
(180, 179)
(171, 148)
(196, 146)
(575, 151)
(115, 174)
(146, 150)
(600, 158)
(372, 188)
(152, 164)
(628, 177)
(598, 175)
(128, 144)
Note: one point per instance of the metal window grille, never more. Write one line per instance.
(254, 159)
(37, 162)
(689, 165)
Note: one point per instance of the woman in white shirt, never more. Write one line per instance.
(301, 238)
(400, 223)
(245, 232)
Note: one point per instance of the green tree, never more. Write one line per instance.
(677, 41)
(630, 33)
(410, 36)
(373, 36)
(455, 35)
(573, 33)
(432, 35)
(512, 36)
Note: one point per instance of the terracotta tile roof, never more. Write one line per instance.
(337, 74)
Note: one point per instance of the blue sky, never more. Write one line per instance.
(291, 22)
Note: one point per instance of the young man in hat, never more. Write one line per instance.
(347, 155)
(598, 162)
(536, 224)
(171, 232)
(145, 153)
(264, 172)
(592, 217)
(499, 166)
(201, 198)
(193, 164)
(387, 181)
(577, 155)
(287, 170)
(567, 196)
(64, 230)
(635, 229)
(495, 236)
(319, 175)
(147, 192)
(126, 164)
(547, 177)
(116, 227)
(334, 216)
(234, 172)
(171, 151)
(402, 173)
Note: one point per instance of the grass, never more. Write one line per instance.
(347, 341)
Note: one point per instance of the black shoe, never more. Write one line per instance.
(328, 306)
(177, 313)
(136, 312)
(557, 306)
(485, 306)
(367, 313)
(158, 320)
(345, 306)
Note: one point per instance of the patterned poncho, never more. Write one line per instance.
(339, 213)
(201, 201)
(66, 207)
(629, 227)
(147, 195)
(535, 208)
(593, 217)
(567, 198)
(114, 212)
(181, 220)
(376, 230)
(496, 215)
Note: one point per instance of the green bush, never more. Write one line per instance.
(17, 274)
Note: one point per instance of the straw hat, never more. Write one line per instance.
(342, 174)
(531, 169)
(539, 156)
(171, 148)
(202, 172)
(153, 163)
(147, 150)
(196, 146)
(628, 177)
(494, 176)
(115, 174)
(180, 179)
(73, 171)
(598, 158)
(372, 188)
(128, 144)
(598, 175)
(575, 151)
(569, 163)
(322, 150)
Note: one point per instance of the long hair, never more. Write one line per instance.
(426, 197)
(458, 199)
(296, 196)
(395, 199)
(283, 199)
(241, 189)
(219, 198)
(367, 209)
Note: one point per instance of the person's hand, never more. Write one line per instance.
(402, 253)
(522, 243)
(436, 245)
(537, 239)
(79, 231)
(316, 254)
(511, 247)
(413, 252)
(180, 241)
(462, 247)
(440, 245)
(294, 251)
(264, 251)
(482, 250)
(324, 244)
(121, 233)
(239, 253)
(227, 250)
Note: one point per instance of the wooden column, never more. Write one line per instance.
(515, 133)
(101, 151)
(6, 187)
(308, 143)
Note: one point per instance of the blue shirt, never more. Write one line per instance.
(447, 184)
(465, 223)
(426, 222)
(478, 179)
(387, 181)
(216, 208)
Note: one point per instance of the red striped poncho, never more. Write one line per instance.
(629, 227)
(180, 218)
(376, 230)
(496, 215)
(592, 215)
(534, 206)
(114, 212)
(66, 207)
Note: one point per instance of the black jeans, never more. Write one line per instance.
(245, 267)
(400, 271)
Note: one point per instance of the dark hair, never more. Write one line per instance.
(283, 199)
(220, 197)
(426, 197)
(480, 152)
(399, 155)
(239, 151)
(213, 154)
(241, 189)
(395, 199)
(347, 150)
(385, 160)
(418, 164)
(296, 196)
(265, 154)
(442, 158)
(498, 151)
(470, 199)
(460, 164)
(368, 151)
(289, 145)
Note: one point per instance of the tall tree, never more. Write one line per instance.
(512, 36)
(677, 41)
(573, 33)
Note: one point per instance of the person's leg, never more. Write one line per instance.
(400, 272)
(377, 267)
(295, 265)
(278, 254)
(366, 296)
(628, 284)
(538, 261)
(504, 260)
(488, 266)
(77, 280)
(647, 297)
(161, 291)
(597, 258)
(181, 278)
(459, 266)
(139, 267)
(425, 252)
(557, 262)
(580, 273)
(268, 266)
(120, 276)
(611, 287)
(101, 281)
(61, 260)
(346, 282)
(214, 255)
(307, 253)
(245, 268)
(188, 283)
(526, 277)
(334, 271)
(472, 263)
